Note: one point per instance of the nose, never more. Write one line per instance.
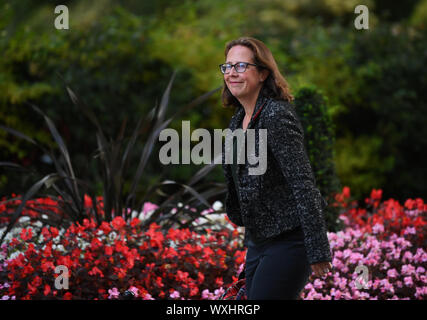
(233, 72)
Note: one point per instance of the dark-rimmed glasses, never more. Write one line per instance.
(238, 66)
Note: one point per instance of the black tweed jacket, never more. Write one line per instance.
(285, 196)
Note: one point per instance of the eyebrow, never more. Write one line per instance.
(237, 62)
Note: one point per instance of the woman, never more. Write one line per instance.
(280, 209)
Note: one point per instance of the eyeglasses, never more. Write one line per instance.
(240, 67)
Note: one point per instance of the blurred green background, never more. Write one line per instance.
(120, 55)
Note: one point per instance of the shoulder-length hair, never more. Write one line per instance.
(275, 86)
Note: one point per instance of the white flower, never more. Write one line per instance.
(38, 224)
(14, 255)
(217, 205)
(134, 214)
(112, 235)
(24, 219)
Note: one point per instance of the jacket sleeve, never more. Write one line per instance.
(232, 207)
(286, 139)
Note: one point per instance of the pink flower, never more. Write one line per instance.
(206, 294)
(336, 293)
(148, 207)
(114, 293)
(347, 253)
(219, 292)
(407, 256)
(174, 295)
(396, 254)
(420, 270)
(420, 292)
(408, 269)
(386, 265)
(355, 257)
(408, 281)
(134, 290)
(241, 267)
(410, 230)
(387, 286)
(318, 284)
(364, 295)
(338, 254)
(343, 283)
(148, 296)
(377, 228)
(392, 273)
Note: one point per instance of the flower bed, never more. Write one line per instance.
(105, 261)
(389, 241)
(115, 257)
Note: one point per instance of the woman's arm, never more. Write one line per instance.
(232, 207)
(286, 139)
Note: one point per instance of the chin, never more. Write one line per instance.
(237, 94)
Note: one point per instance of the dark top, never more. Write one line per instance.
(286, 196)
(250, 240)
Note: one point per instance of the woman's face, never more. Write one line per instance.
(244, 85)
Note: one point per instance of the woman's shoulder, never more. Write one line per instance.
(277, 108)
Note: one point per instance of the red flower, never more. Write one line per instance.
(159, 282)
(219, 282)
(46, 290)
(47, 252)
(105, 227)
(46, 233)
(46, 265)
(120, 272)
(200, 277)
(37, 281)
(67, 296)
(346, 192)
(181, 276)
(135, 222)
(108, 250)
(95, 244)
(118, 223)
(54, 232)
(88, 202)
(95, 271)
(193, 291)
(26, 234)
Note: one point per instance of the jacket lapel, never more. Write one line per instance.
(261, 101)
(235, 120)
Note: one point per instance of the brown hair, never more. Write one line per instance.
(275, 86)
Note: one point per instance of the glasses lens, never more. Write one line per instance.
(225, 68)
(241, 67)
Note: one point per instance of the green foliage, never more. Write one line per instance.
(119, 54)
(112, 159)
(319, 137)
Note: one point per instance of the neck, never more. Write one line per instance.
(249, 103)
